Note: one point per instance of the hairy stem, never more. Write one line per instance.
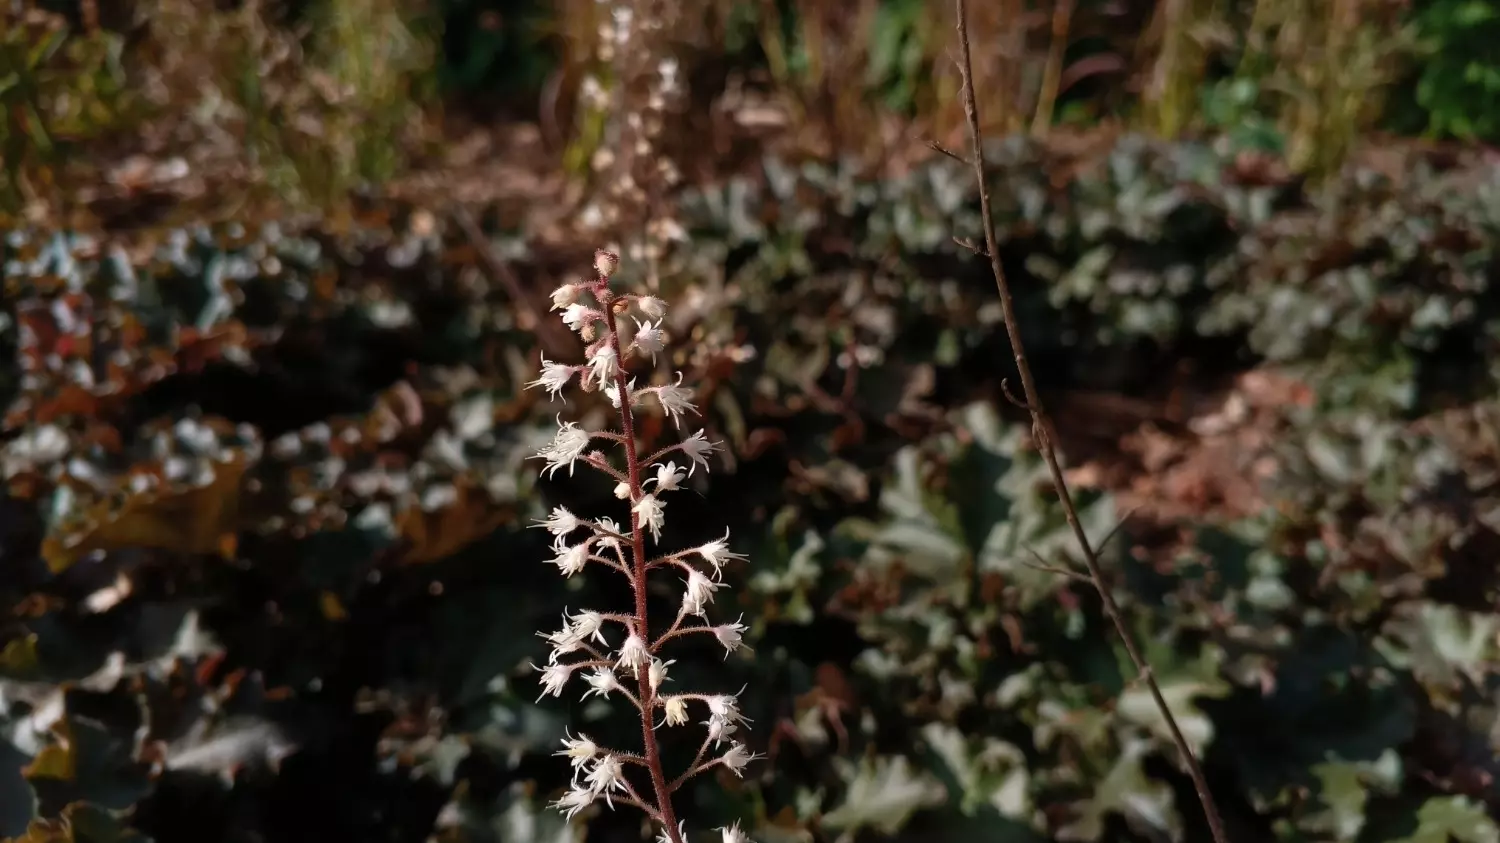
(638, 564)
(1042, 433)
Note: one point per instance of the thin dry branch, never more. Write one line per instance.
(1042, 433)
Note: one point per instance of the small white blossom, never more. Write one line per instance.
(608, 774)
(697, 447)
(652, 512)
(569, 560)
(587, 625)
(700, 593)
(606, 526)
(555, 377)
(565, 448)
(561, 523)
(719, 729)
(576, 316)
(676, 708)
(579, 751)
(737, 757)
(657, 673)
(665, 837)
(633, 654)
(732, 834)
(675, 400)
(716, 553)
(564, 296)
(576, 799)
(602, 682)
(622, 490)
(602, 365)
(651, 306)
(649, 337)
(731, 636)
(668, 476)
(554, 677)
(613, 393)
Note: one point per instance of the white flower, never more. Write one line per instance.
(737, 757)
(716, 553)
(602, 365)
(719, 729)
(555, 376)
(576, 799)
(666, 837)
(563, 296)
(676, 710)
(561, 523)
(622, 490)
(607, 774)
(697, 447)
(602, 681)
(554, 677)
(608, 525)
(668, 476)
(652, 512)
(588, 624)
(633, 654)
(579, 751)
(731, 636)
(569, 560)
(613, 392)
(649, 337)
(565, 448)
(576, 316)
(651, 306)
(700, 593)
(675, 400)
(732, 834)
(657, 673)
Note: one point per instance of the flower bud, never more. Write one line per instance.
(589, 332)
(620, 305)
(605, 263)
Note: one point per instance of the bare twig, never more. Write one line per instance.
(1042, 431)
(527, 318)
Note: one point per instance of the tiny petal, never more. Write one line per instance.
(699, 593)
(697, 447)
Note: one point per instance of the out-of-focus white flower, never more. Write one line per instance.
(652, 512)
(565, 295)
(576, 316)
(555, 377)
(668, 476)
(651, 306)
(699, 593)
(561, 523)
(608, 774)
(565, 448)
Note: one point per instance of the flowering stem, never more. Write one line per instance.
(664, 812)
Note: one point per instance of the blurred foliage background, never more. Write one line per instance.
(274, 273)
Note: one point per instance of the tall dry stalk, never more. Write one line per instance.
(1042, 433)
